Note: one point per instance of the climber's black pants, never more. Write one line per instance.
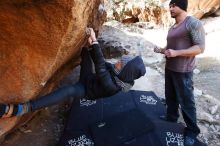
(70, 91)
(75, 91)
(96, 85)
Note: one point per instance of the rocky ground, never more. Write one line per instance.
(140, 38)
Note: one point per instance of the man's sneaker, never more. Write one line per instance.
(189, 141)
(164, 118)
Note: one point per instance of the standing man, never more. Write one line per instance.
(185, 40)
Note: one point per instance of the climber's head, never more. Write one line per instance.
(130, 68)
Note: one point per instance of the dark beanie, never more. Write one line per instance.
(183, 4)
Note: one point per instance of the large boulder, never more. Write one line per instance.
(203, 7)
(156, 11)
(40, 43)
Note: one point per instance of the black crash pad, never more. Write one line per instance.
(125, 119)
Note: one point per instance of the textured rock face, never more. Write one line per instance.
(40, 42)
(203, 7)
(156, 11)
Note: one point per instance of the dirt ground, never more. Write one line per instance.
(43, 130)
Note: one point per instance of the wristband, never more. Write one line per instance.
(95, 42)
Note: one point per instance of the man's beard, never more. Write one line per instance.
(173, 15)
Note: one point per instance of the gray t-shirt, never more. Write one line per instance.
(187, 34)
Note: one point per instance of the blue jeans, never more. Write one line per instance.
(179, 91)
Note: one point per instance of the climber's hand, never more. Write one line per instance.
(92, 36)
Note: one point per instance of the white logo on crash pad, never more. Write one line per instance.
(81, 141)
(85, 102)
(174, 138)
(148, 99)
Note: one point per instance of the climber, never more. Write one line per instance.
(107, 80)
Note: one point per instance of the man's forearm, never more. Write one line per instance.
(192, 51)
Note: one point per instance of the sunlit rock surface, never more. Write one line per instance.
(203, 7)
(156, 11)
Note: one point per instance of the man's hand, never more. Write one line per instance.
(171, 53)
(92, 37)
